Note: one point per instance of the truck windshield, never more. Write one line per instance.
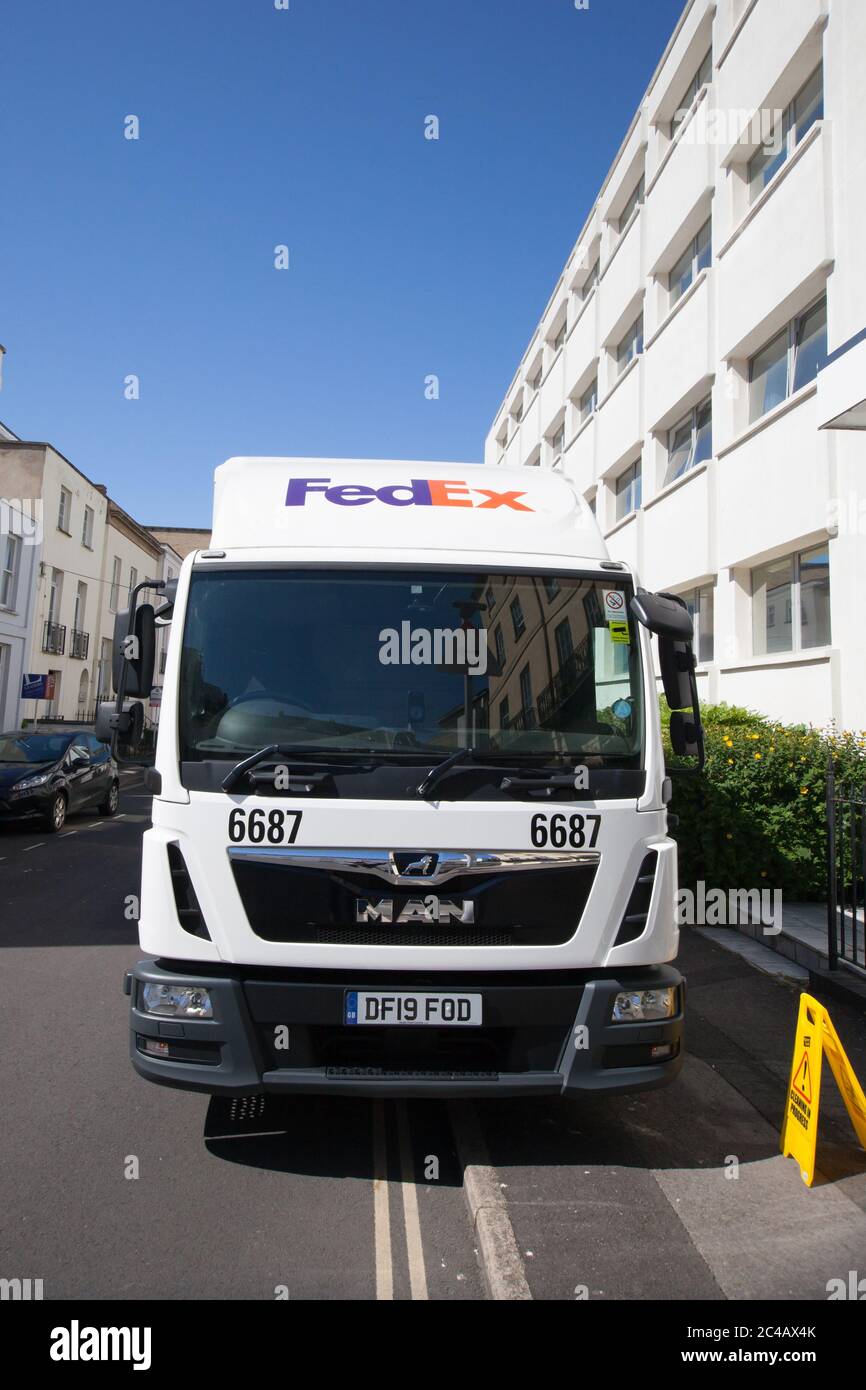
(400, 662)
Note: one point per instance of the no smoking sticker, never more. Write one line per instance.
(614, 604)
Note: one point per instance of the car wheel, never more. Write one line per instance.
(108, 807)
(56, 818)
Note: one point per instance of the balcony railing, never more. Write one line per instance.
(54, 638)
(79, 644)
(565, 682)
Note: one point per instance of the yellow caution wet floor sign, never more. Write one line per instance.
(815, 1037)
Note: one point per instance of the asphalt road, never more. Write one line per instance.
(114, 1188)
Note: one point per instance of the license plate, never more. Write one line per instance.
(419, 1008)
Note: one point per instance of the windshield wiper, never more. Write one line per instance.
(242, 773)
(435, 775)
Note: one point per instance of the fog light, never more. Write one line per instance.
(154, 1046)
(661, 1051)
(176, 1001)
(644, 1005)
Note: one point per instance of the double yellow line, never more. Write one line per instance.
(382, 1208)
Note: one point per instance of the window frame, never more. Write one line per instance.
(793, 131)
(87, 530)
(695, 85)
(64, 511)
(114, 591)
(10, 572)
(629, 484)
(691, 421)
(792, 329)
(518, 617)
(694, 254)
(795, 559)
(633, 338)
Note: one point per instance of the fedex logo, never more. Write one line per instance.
(420, 492)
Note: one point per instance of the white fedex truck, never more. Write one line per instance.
(409, 829)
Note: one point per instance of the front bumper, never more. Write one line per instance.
(34, 803)
(546, 1033)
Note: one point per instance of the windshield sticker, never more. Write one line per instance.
(618, 630)
(614, 604)
(419, 492)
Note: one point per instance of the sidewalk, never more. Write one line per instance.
(803, 943)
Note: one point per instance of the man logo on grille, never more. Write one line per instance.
(424, 867)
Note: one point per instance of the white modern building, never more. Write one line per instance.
(700, 368)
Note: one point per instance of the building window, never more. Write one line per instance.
(489, 599)
(700, 603)
(789, 361)
(798, 118)
(104, 680)
(535, 379)
(634, 199)
(10, 549)
(630, 346)
(559, 338)
(55, 596)
(557, 444)
(517, 411)
(590, 282)
(64, 515)
(589, 400)
(526, 699)
(114, 592)
(551, 585)
(694, 259)
(628, 491)
(517, 618)
(690, 442)
(499, 640)
(87, 528)
(564, 643)
(503, 714)
(791, 603)
(80, 607)
(591, 503)
(703, 75)
(133, 580)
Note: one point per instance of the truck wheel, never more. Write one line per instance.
(108, 807)
(56, 817)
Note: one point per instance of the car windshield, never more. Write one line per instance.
(424, 662)
(33, 748)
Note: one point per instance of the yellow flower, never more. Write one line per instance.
(759, 755)
(804, 791)
(731, 761)
(728, 835)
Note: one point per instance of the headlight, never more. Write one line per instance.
(645, 1005)
(38, 780)
(176, 1001)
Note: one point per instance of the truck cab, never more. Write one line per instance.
(409, 830)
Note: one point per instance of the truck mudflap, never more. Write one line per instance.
(545, 1033)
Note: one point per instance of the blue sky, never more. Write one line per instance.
(304, 127)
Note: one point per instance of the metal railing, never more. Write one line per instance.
(565, 682)
(846, 874)
(80, 641)
(54, 638)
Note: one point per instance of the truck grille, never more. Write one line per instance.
(288, 902)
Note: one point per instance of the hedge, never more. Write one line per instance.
(756, 816)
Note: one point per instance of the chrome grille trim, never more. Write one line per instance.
(381, 863)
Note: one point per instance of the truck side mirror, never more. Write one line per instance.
(677, 661)
(687, 736)
(668, 617)
(128, 724)
(136, 650)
